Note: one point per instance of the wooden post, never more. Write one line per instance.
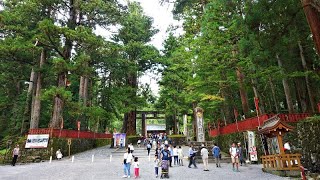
(69, 144)
(279, 137)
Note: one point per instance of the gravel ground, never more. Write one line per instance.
(84, 169)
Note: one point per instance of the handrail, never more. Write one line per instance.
(281, 162)
(252, 123)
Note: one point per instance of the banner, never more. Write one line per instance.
(37, 141)
(251, 145)
(119, 140)
(200, 130)
(185, 125)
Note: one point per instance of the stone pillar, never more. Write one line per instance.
(199, 122)
(185, 125)
(143, 126)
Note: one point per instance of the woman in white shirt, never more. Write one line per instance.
(180, 156)
(175, 155)
(127, 160)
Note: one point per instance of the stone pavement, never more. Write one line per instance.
(84, 169)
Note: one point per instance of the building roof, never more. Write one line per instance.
(273, 125)
(156, 127)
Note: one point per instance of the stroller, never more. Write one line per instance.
(164, 169)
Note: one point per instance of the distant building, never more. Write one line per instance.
(156, 128)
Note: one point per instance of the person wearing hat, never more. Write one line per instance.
(205, 155)
(240, 151)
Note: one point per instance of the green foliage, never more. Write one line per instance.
(132, 139)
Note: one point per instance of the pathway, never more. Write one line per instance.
(84, 169)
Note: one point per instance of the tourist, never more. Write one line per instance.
(136, 167)
(157, 164)
(205, 155)
(148, 148)
(180, 156)
(192, 155)
(127, 160)
(139, 143)
(234, 153)
(175, 155)
(171, 154)
(15, 154)
(241, 158)
(166, 142)
(216, 154)
(287, 147)
(58, 154)
(165, 158)
(121, 143)
(154, 144)
(131, 147)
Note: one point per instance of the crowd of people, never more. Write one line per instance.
(168, 155)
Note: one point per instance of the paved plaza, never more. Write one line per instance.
(101, 168)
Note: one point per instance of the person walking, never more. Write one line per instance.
(171, 154)
(15, 155)
(192, 155)
(131, 148)
(136, 167)
(216, 154)
(241, 158)
(205, 155)
(165, 158)
(127, 160)
(175, 155)
(157, 164)
(180, 156)
(148, 148)
(234, 153)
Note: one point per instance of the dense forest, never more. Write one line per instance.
(56, 69)
(236, 51)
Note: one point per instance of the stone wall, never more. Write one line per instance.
(37, 155)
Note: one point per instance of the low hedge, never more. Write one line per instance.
(309, 141)
(132, 139)
(77, 146)
(178, 139)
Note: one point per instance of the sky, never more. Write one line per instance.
(163, 18)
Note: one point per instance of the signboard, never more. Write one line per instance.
(200, 130)
(37, 141)
(251, 145)
(119, 139)
(185, 125)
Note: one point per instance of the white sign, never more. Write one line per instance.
(37, 141)
(251, 145)
(185, 125)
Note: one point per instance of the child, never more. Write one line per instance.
(136, 167)
(156, 165)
